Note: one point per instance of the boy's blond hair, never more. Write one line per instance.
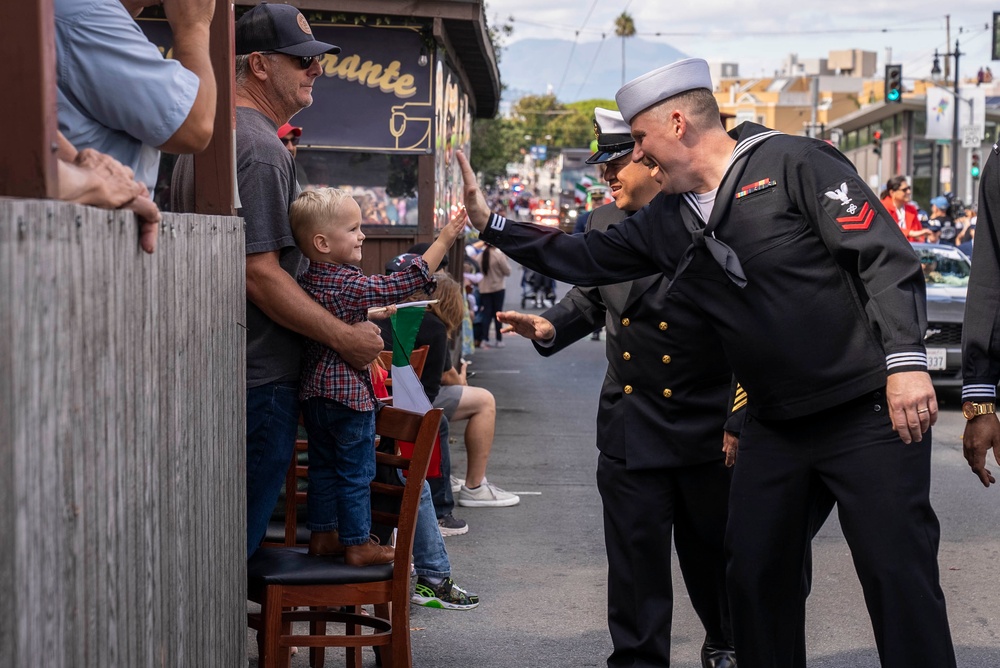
(311, 209)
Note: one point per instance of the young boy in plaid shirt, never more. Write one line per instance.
(338, 401)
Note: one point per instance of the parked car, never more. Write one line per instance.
(946, 273)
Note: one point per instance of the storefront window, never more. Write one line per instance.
(385, 186)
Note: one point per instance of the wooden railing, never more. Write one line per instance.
(122, 439)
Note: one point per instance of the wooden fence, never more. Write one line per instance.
(122, 447)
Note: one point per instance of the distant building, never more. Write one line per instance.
(799, 105)
(853, 63)
(720, 70)
(803, 97)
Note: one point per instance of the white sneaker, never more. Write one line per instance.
(456, 484)
(487, 495)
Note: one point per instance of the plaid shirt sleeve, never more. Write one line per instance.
(348, 294)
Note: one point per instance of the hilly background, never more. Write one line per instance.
(584, 71)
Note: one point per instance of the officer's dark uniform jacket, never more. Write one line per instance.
(981, 332)
(805, 333)
(664, 397)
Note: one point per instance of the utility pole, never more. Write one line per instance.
(935, 71)
(947, 40)
(954, 133)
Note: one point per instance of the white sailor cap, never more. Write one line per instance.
(645, 91)
(614, 137)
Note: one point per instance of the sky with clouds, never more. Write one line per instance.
(759, 36)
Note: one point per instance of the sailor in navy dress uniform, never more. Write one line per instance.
(663, 406)
(819, 302)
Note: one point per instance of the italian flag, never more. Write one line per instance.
(407, 391)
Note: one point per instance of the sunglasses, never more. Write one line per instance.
(290, 139)
(304, 62)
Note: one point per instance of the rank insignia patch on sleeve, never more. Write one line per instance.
(851, 215)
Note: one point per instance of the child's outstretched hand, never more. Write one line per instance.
(455, 226)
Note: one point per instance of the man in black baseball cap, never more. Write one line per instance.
(277, 64)
(278, 28)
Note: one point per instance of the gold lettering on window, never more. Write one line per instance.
(367, 73)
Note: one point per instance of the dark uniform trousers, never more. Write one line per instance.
(641, 510)
(660, 472)
(881, 487)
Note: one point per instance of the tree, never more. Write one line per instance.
(624, 27)
(495, 142)
(576, 128)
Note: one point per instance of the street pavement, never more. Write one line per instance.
(539, 567)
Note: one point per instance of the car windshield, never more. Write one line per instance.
(944, 266)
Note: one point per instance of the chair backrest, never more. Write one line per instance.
(418, 357)
(396, 424)
(391, 426)
(295, 497)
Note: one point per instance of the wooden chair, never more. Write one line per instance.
(291, 532)
(418, 356)
(284, 578)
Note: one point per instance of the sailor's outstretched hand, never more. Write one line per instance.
(475, 201)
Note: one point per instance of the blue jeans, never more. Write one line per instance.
(429, 554)
(272, 423)
(341, 468)
(444, 500)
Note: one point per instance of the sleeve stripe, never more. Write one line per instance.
(983, 390)
(897, 360)
(497, 222)
(739, 404)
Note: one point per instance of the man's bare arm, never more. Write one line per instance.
(475, 201)
(190, 21)
(281, 299)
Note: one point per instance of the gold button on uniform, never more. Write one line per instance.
(663, 326)
(668, 393)
(626, 322)
(626, 356)
(628, 389)
(666, 359)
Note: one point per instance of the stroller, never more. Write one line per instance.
(537, 290)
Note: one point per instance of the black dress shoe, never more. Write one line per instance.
(717, 655)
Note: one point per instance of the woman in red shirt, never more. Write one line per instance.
(896, 199)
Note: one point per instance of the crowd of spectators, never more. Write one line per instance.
(950, 222)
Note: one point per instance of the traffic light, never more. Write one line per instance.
(975, 166)
(893, 83)
(877, 142)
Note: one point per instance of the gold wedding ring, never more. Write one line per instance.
(923, 410)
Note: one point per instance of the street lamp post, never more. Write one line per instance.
(936, 72)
